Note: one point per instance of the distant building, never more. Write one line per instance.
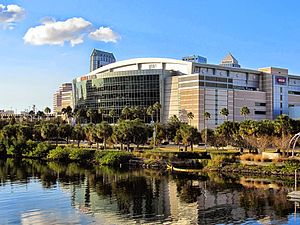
(230, 61)
(62, 98)
(100, 58)
(195, 59)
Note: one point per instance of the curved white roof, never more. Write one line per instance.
(145, 64)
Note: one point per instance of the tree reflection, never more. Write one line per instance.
(150, 195)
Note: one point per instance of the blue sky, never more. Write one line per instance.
(258, 33)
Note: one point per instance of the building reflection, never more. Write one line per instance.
(150, 197)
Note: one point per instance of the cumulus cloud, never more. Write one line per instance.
(104, 34)
(11, 14)
(52, 32)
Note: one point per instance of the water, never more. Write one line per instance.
(32, 192)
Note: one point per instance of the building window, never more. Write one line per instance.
(260, 112)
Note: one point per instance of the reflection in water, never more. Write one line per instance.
(33, 192)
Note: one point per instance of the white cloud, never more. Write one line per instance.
(11, 14)
(57, 33)
(104, 34)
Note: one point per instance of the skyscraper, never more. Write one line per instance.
(100, 58)
(62, 98)
(230, 61)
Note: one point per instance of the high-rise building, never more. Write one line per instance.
(182, 87)
(100, 58)
(230, 61)
(195, 58)
(62, 98)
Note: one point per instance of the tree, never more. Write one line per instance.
(78, 134)
(245, 111)
(79, 113)
(67, 112)
(123, 133)
(150, 112)
(101, 111)
(65, 131)
(139, 132)
(224, 112)
(126, 112)
(104, 131)
(47, 110)
(229, 133)
(91, 114)
(172, 126)
(156, 108)
(190, 116)
(206, 117)
(189, 135)
(40, 114)
(49, 131)
(208, 135)
(283, 125)
(31, 114)
(92, 135)
(112, 114)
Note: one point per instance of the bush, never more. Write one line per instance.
(81, 155)
(112, 158)
(17, 150)
(41, 150)
(291, 164)
(247, 157)
(220, 160)
(59, 154)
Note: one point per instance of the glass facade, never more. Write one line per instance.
(115, 90)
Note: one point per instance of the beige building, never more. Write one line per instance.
(188, 86)
(62, 98)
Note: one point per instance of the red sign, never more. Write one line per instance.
(281, 80)
(83, 78)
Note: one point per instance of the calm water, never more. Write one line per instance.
(49, 193)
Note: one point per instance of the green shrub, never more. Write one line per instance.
(17, 150)
(81, 155)
(112, 158)
(291, 165)
(41, 150)
(220, 160)
(59, 154)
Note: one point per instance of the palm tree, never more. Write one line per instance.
(224, 112)
(101, 111)
(112, 114)
(104, 131)
(78, 113)
(126, 112)
(40, 114)
(31, 114)
(206, 117)
(157, 107)
(67, 112)
(245, 111)
(190, 116)
(91, 114)
(150, 112)
(47, 110)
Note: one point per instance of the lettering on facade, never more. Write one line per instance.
(152, 66)
(83, 78)
(280, 80)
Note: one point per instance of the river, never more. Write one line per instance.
(33, 192)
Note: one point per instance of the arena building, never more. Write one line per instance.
(188, 86)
